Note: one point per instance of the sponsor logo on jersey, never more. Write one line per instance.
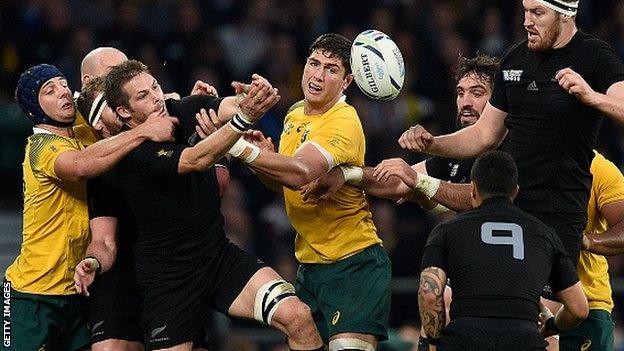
(512, 75)
(335, 318)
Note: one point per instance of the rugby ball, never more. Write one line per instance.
(377, 65)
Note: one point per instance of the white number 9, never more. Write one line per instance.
(516, 240)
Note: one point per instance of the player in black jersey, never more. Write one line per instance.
(114, 299)
(184, 262)
(548, 99)
(498, 258)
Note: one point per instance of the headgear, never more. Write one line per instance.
(27, 93)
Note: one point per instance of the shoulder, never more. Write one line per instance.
(590, 41)
(515, 50)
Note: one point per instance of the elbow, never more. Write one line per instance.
(580, 310)
(299, 176)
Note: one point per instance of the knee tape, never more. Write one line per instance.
(350, 344)
(269, 297)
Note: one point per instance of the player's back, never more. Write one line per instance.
(498, 259)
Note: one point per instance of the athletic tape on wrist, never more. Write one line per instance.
(353, 175)
(439, 209)
(240, 146)
(240, 122)
(427, 185)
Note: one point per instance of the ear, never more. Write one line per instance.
(122, 112)
(515, 193)
(347, 81)
(473, 191)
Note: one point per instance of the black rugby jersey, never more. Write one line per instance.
(499, 258)
(449, 169)
(178, 215)
(552, 133)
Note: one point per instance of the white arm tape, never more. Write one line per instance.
(353, 175)
(427, 185)
(439, 209)
(239, 147)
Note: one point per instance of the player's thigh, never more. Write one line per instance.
(594, 333)
(354, 293)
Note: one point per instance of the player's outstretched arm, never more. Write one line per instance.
(101, 253)
(74, 166)
(203, 155)
(431, 302)
(469, 142)
(611, 242)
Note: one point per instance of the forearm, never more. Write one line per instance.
(105, 254)
(609, 243)
(290, 172)
(103, 155)
(453, 196)
(392, 189)
(610, 107)
(566, 320)
(227, 109)
(207, 152)
(465, 143)
(431, 302)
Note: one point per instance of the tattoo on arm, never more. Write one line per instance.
(431, 300)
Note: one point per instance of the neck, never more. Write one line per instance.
(567, 33)
(62, 131)
(310, 109)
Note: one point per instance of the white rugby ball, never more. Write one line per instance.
(377, 65)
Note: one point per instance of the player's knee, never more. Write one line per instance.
(350, 344)
(295, 315)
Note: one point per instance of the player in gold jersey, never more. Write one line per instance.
(344, 274)
(46, 311)
(605, 216)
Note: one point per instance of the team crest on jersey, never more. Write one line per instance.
(289, 126)
(512, 75)
(165, 153)
(454, 168)
(304, 136)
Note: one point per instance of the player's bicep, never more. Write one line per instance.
(316, 159)
(104, 230)
(65, 167)
(613, 212)
(491, 126)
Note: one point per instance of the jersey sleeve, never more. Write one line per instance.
(154, 160)
(340, 141)
(438, 167)
(608, 182)
(609, 69)
(499, 92)
(44, 151)
(435, 254)
(563, 274)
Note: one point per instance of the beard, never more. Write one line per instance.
(467, 123)
(548, 39)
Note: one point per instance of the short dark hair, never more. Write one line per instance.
(495, 174)
(482, 65)
(115, 80)
(88, 94)
(336, 45)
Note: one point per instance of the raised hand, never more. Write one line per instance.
(258, 139)
(203, 88)
(159, 128)
(575, 85)
(416, 139)
(207, 124)
(258, 99)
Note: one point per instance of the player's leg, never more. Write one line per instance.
(355, 297)
(423, 343)
(247, 288)
(114, 313)
(271, 300)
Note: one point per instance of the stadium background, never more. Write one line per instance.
(223, 40)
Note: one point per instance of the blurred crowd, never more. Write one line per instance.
(219, 41)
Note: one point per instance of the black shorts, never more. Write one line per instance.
(114, 307)
(173, 308)
(569, 227)
(475, 333)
